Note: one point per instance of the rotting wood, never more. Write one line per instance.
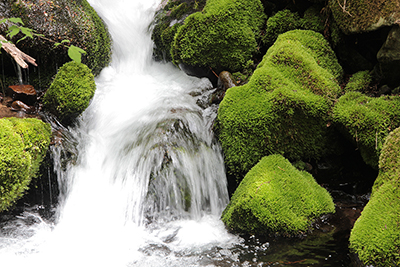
(20, 57)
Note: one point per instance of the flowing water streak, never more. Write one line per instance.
(148, 185)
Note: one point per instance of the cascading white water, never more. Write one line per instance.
(148, 185)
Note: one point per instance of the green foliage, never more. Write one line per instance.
(367, 121)
(70, 92)
(285, 106)
(276, 198)
(359, 81)
(75, 53)
(223, 36)
(283, 21)
(23, 144)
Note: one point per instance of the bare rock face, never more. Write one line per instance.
(354, 16)
(388, 67)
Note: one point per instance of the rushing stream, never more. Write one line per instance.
(147, 185)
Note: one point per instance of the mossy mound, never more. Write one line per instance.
(284, 107)
(375, 237)
(276, 198)
(355, 16)
(283, 21)
(23, 145)
(70, 92)
(166, 24)
(367, 121)
(223, 36)
(59, 20)
(359, 81)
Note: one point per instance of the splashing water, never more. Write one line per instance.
(148, 185)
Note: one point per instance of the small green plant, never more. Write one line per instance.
(74, 52)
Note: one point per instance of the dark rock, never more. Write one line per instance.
(200, 72)
(384, 90)
(23, 92)
(388, 67)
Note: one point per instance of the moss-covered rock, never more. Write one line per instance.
(276, 198)
(284, 107)
(23, 145)
(223, 36)
(375, 237)
(283, 21)
(59, 20)
(367, 121)
(70, 92)
(359, 81)
(354, 16)
(315, 19)
(166, 24)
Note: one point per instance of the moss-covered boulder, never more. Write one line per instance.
(223, 36)
(283, 21)
(166, 23)
(285, 106)
(367, 121)
(70, 92)
(23, 145)
(355, 16)
(276, 198)
(375, 237)
(58, 20)
(359, 81)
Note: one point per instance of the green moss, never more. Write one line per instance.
(367, 121)
(23, 144)
(166, 23)
(285, 106)
(317, 19)
(363, 15)
(375, 236)
(275, 197)
(283, 21)
(70, 92)
(389, 160)
(98, 43)
(359, 81)
(223, 36)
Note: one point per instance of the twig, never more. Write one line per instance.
(20, 57)
(344, 7)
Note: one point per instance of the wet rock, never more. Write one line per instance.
(23, 92)
(21, 106)
(388, 67)
(225, 80)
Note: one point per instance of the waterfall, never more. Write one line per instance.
(147, 184)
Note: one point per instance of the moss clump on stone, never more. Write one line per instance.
(70, 92)
(316, 20)
(284, 107)
(367, 121)
(223, 36)
(375, 236)
(166, 24)
(23, 145)
(276, 198)
(359, 81)
(354, 16)
(283, 21)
